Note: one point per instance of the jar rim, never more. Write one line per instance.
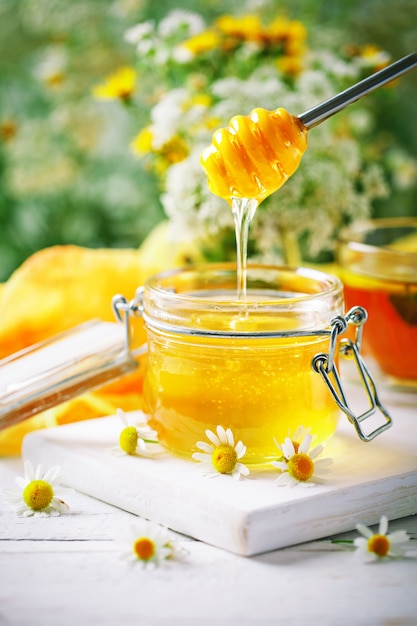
(197, 300)
(354, 235)
(330, 283)
(380, 249)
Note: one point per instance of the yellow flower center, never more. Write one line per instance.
(224, 459)
(38, 495)
(379, 544)
(144, 548)
(128, 440)
(300, 466)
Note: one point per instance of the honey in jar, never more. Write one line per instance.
(246, 365)
(378, 260)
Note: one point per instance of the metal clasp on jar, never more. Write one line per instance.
(123, 309)
(324, 364)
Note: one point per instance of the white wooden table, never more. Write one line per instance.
(68, 570)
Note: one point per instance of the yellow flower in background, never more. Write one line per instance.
(229, 32)
(243, 28)
(199, 44)
(290, 65)
(199, 99)
(370, 55)
(196, 74)
(118, 86)
(172, 151)
(377, 58)
(142, 143)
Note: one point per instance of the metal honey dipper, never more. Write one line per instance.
(257, 153)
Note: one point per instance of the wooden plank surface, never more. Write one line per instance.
(251, 516)
(69, 570)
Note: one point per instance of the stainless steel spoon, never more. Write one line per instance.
(329, 107)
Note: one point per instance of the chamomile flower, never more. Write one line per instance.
(39, 492)
(221, 456)
(374, 546)
(150, 545)
(297, 464)
(133, 438)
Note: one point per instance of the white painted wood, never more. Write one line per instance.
(68, 570)
(253, 515)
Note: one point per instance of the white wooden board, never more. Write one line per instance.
(253, 515)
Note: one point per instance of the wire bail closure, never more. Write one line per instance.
(322, 363)
(123, 310)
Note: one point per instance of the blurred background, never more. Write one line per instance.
(68, 173)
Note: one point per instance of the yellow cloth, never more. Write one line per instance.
(62, 286)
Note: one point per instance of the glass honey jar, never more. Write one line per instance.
(251, 364)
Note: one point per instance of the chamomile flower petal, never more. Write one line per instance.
(213, 438)
(53, 475)
(229, 438)
(282, 465)
(142, 446)
(383, 525)
(240, 449)
(199, 456)
(305, 444)
(300, 432)
(222, 435)
(323, 466)
(278, 445)
(398, 548)
(364, 530)
(286, 480)
(221, 455)
(39, 492)
(288, 448)
(361, 545)
(316, 451)
(32, 473)
(398, 536)
(206, 447)
(240, 469)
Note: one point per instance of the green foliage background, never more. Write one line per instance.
(66, 173)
